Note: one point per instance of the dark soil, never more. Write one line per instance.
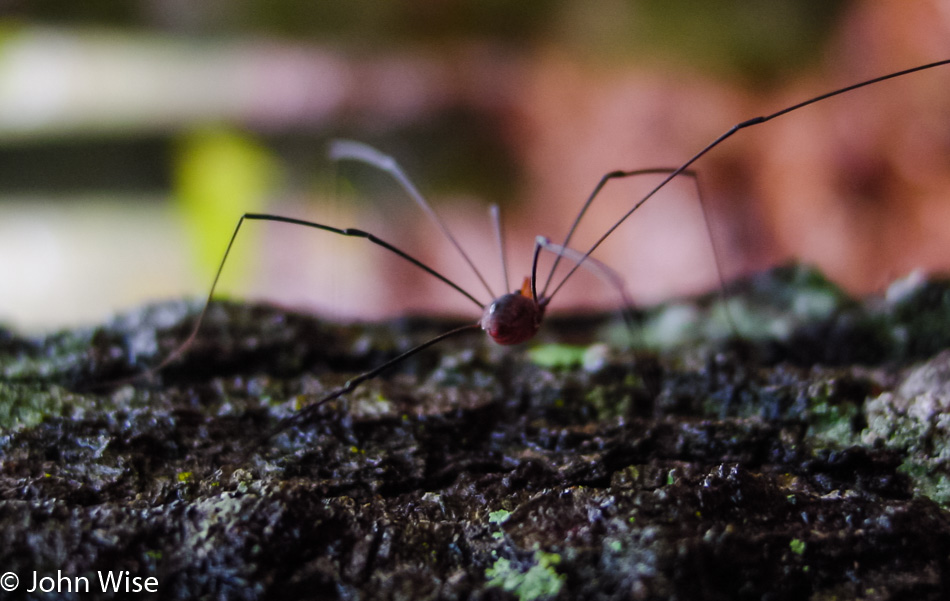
(808, 458)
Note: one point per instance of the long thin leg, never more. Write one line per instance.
(590, 199)
(579, 259)
(580, 214)
(357, 151)
(500, 239)
(594, 266)
(309, 411)
(743, 125)
(278, 218)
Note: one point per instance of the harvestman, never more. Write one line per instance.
(514, 317)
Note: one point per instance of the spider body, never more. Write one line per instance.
(515, 317)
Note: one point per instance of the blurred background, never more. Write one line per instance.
(134, 133)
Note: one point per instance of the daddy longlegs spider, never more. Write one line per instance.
(510, 318)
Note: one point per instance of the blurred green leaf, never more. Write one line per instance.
(220, 174)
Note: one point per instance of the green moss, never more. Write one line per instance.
(22, 405)
(832, 424)
(915, 420)
(669, 327)
(540, 581)
(930, 480)
(61, 354)
(770, 306)
(557, 356)
(797, 546)
(499, 517)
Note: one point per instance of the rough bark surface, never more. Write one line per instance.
(807, 459)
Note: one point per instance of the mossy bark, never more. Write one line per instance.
(812, 463)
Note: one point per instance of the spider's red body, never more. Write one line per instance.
(513, 318)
